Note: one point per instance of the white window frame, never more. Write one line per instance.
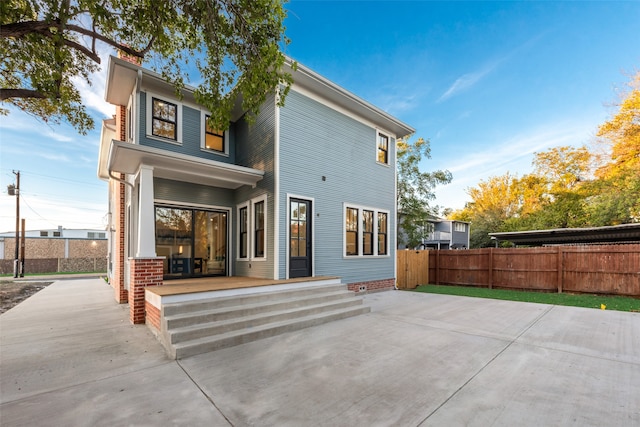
(238, 209)
(360, 209)
(388, 136)
(203, 137)
(459, 227)
(149, 118)
(251, 226)
(130, 120)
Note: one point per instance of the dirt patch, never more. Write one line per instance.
(13, 293)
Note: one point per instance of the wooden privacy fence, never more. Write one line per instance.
(413, 269)
(610, 269)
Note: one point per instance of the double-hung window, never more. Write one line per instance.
(243, 238)
(214, 139)
(258, 223)
(252, 229)
(383, 149)
(351, 227)
(164, 119)
(382, 232)
(366, 231)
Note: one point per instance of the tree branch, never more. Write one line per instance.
(20, 93)
(21, 29)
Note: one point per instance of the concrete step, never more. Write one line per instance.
(258, 295)
(232, 338)
(249, 306)
(263, 314)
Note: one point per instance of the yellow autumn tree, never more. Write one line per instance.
(616, 197)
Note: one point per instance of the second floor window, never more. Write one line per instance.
(213, 138)
(164, 119)
(383, 149)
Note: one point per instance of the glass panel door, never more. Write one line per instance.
(210, 242)
(194, 242)
(173, 240)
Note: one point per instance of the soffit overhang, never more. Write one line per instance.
(128, 158)
(123, 76)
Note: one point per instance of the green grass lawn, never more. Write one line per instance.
(574, 300)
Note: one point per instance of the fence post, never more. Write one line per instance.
(560, 268)
(490, 268)
(437, 266)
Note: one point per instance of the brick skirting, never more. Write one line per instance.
(152, 316)
(372, 286)
(144, 272)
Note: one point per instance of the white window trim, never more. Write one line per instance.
(238, 208)
(460, 227)
(381, 132)
(149, 118)
(251, 244)
(360, 209)
(203, 135)
(254, 201)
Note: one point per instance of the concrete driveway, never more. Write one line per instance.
(68, 356)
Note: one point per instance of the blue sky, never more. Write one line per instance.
(489, 83)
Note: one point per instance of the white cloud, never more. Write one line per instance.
(93, 95)
(468, 80)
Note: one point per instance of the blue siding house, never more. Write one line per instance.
(307, 190)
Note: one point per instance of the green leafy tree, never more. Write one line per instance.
(415, 190)
(493, 202)
(48, 45)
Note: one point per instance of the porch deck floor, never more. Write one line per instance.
(207, 284)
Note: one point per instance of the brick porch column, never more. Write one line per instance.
(121, 293)
(144, 272)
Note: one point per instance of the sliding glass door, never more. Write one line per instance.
(193, 241)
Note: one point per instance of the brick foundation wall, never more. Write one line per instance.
(144, 272)
(152, 316)
(373, 286)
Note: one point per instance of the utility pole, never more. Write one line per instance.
(22, 245)
(15, 191)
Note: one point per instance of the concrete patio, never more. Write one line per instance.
(68, 356)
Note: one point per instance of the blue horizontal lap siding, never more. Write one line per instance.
(317, 141)
(189, 120)
(189, 193)
(255, 148)
(459, 238)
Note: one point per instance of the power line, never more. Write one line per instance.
(73, 181)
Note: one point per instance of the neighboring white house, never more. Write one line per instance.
(446, 234)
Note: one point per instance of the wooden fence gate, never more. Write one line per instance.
(413, 269)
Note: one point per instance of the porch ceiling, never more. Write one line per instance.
(127, 158)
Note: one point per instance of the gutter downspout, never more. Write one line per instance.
(120, 180)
